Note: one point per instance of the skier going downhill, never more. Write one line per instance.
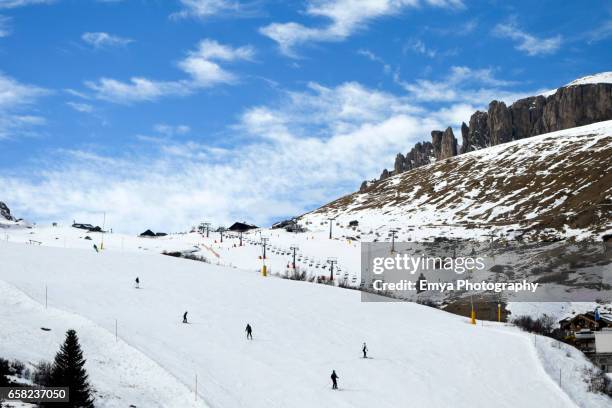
(364, 348)
(249, 331)
(137, 283)
(334, 378)
(185, 318)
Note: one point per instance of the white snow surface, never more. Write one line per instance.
(599, 78)
(302, 331)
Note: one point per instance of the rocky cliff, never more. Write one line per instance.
(580, 103)
(5, 213)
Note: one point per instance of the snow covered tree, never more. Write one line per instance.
(68, 371)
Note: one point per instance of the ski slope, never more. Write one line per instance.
(420, 356)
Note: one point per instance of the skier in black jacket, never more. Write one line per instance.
(249, 332)
(334, 378)
(364, 348)
(137, 283)
(185, 318)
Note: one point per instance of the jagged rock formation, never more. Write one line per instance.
(5, 212)
(477, 133)
(421, 154)
(578, 104)
(444, 144)
(500, 123)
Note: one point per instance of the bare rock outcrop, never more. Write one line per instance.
(478, 133)
(5, 212)
(500, 123)
(570, 106)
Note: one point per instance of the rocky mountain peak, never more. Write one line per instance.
(581, 102)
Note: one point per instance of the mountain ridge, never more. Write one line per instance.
(552, 186)
(581, 102)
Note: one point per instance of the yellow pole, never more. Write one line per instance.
(499, 312)
(264, 270)
(473, 314)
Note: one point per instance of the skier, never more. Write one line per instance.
(249, 331)
(334, 378)
(364, 348)
(95, 247)
(137, 283)
(185, 318)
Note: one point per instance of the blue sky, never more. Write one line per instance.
(163, 113)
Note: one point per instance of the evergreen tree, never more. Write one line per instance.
(4, 372)
(68, 371)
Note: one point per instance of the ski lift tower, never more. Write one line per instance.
(206, 227)
(264, 243)
(331, 261)
(294, 248)
(393, 233)
(331, 222)
(264, 268)
(103, 226)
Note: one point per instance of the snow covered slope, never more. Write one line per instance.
(599, 78)
(557, 184)
(421, 356)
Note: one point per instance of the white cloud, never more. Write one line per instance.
(375, 58)
(463, 85)
(205, 8)
(5, 29)
(419, 47)
(526, 42)
(136, 90)
(305, 149)
(14, 93)
(15, 98)
(201, 66)
(103, 40)
(169, 130)
(5, 4)
(80, 107)
(600, 32)
(347, 16)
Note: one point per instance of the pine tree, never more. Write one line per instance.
(68, 371)
(4, 372)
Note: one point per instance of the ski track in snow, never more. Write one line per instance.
(120, 374)
(301, 332)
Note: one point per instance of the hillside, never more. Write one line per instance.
(553, 185)
(302, 331)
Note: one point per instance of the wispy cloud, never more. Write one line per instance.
(600, 32)
(104, 40)
(171, 130)
(202, 66)
(15, 98)
(463, 85)
(375, 58)
(202, 9)
(5, 4)
(299, 149)
(528, 43)
(80, 107)
(347, 16)
(5, 28)
(419, 47)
